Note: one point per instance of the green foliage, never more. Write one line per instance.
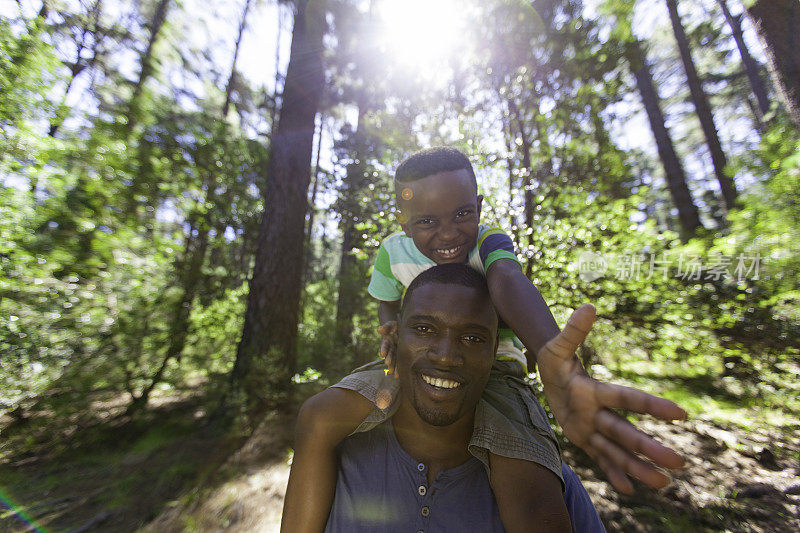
(27, 75)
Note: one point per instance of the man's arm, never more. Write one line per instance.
(324, 421)
(581, 404)
(524, 489)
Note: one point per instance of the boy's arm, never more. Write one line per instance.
(324, 421)
(582, 405)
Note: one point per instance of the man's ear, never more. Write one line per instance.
(480, 201)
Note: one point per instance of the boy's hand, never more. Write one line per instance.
(582, 406)
(388, 343)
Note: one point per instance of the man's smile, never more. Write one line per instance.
(440, 383)
(440, 386)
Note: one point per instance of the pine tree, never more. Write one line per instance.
(266, 354)
(703, 109)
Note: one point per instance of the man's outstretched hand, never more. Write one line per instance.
(583, 406)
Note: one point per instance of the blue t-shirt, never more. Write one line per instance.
(380, 488)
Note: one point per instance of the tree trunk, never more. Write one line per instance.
(189, 277)
(750, 65)
(232, 75)
(778, 24)
(349, 281)
(701, 105)
(688, 215)
(147, 66)
(312, 209)
(527, 185)
(266, 354)
(79, 64)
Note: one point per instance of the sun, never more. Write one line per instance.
(424, 34)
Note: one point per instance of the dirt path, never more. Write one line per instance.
(162, 475)
(734, 481)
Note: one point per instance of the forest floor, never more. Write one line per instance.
(162, 473)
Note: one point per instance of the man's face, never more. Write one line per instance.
(440, 213)
(447, 339)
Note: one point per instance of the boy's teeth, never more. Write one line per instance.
(439, 382)
(448, 251)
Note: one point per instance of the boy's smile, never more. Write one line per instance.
(440, 214)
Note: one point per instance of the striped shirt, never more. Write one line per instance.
(399, 262)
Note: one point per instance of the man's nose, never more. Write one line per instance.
(445, 351)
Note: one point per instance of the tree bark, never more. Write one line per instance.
(703, 109)
(688, 215)
(350, 281)
(749, 64)
(312, 209)
(778, 24)
(147, 66)
(237, 45)
(266, 354)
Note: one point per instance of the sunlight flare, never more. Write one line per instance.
(423, 33)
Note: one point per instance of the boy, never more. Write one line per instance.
(438, 208)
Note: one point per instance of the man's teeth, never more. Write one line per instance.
(448, 251)
(439, 382)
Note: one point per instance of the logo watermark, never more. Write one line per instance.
(744, 266)
(591, 266)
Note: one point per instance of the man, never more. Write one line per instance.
(415, 472)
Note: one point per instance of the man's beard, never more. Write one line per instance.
(433, 415)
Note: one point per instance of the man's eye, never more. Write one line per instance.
(422, 328)
(473, 339)
(425, 222)
(464, 213)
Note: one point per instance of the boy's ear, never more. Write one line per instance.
(480, 201)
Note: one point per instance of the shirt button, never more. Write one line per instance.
(420, 531)
(422, 490)
(425, 511)
(420, 467)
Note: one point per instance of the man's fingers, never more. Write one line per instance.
(628, 462)
(630, 399)
(574, 333)
(632, 440)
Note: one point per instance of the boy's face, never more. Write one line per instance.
(440, 213)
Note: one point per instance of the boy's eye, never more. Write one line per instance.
(424, 221)
(473, 339)
(422, 328)
(464, 213)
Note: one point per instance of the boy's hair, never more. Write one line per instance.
(447, 274)
(432, 161)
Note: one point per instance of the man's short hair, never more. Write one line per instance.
(447, 274)
(432, 161)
